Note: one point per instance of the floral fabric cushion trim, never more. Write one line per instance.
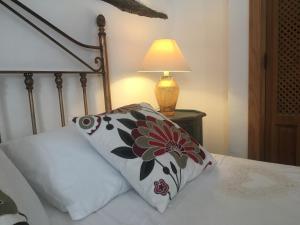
(155, 155)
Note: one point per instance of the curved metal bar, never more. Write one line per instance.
(49, 37)
(5, 72)
(33, 13)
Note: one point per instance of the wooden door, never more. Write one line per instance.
(282, 122)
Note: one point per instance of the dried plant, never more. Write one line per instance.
(134, 7)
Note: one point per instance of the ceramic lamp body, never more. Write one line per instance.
(165, 56)
(167, 92)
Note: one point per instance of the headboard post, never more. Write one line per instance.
(29, 86)
(59, 86)
(83, 81)
(104, 60)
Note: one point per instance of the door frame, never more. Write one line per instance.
(257, 79)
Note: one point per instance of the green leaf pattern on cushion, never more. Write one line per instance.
(7, 205)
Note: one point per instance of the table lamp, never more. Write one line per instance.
(164, 56)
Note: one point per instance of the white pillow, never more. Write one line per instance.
(155, 155)
(13, 184)
(65, 170)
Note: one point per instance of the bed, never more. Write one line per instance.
(234, 192)
(237, 192)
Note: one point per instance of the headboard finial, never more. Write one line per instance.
(101, 21)
(29, 81)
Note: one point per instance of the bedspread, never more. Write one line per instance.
(236, 192)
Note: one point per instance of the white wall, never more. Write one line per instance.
(238, 77)
(199, 26)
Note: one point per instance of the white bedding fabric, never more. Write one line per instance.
(236, 192)
(63, 168)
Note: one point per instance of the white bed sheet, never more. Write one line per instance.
(236, 192)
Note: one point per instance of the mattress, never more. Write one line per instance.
(236, 192)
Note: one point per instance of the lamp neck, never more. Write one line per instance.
(166, 74)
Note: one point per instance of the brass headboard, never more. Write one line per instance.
(100, 62)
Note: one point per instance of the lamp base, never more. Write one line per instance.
(167, 92)
(168, 114)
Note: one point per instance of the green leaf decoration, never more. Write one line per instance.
(173, 167)
(130, 124)
(124, 152)
(146, 169)
(137, 115)
(126, 137)
(7, 205)
(202, 154)
(166, 170)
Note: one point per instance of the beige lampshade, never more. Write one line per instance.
(164, 56)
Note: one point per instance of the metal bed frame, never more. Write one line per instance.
(99, 66)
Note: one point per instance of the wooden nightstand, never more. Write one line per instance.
(191, 121)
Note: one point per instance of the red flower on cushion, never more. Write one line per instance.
(154, 137)
(161, 187)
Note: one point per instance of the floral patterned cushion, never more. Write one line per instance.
(155, 155)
